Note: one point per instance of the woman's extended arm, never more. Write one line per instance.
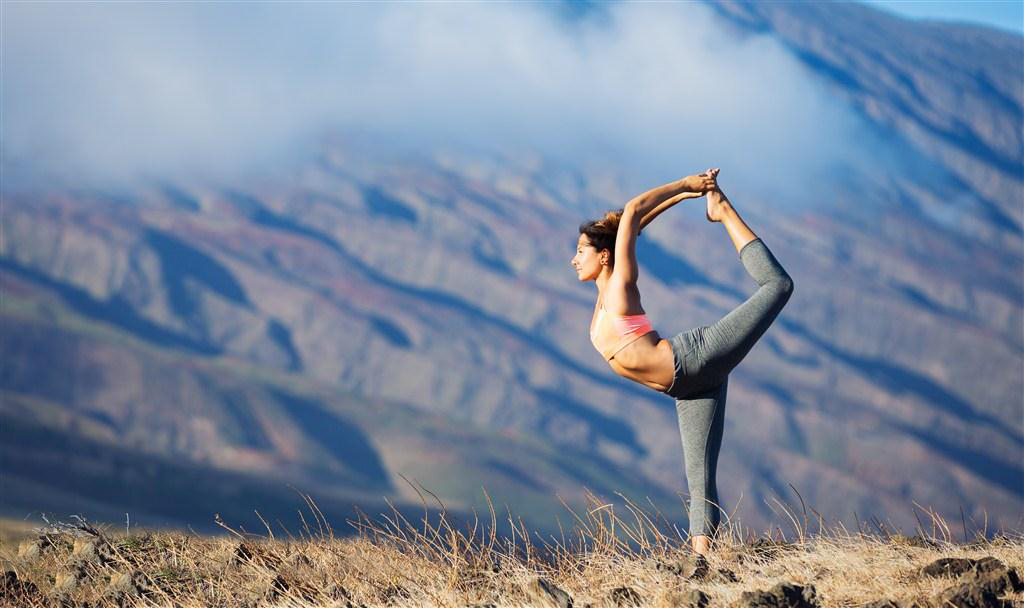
(654, 198)
(653, 213)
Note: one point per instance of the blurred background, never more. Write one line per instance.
(255, 250)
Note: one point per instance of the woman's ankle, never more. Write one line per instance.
(701, 544)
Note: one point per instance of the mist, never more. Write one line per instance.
(104, 93)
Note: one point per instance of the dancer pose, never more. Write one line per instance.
(693, 366)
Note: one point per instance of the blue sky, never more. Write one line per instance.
(104, 90)
(1004, 14)
(107, 90)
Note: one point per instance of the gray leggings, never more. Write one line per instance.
(704, 356)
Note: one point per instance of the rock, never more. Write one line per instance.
(991, 575)
(724, 575)
(17, 592)
(968, 595)
(765, 549)
(277, 587)
(243, 554)
(548, 594)
(948, 566)
(782, 595)
(247, 553)
(692, 598)
(987, 573)
(696, 568)
(691, 567)
(625, 596)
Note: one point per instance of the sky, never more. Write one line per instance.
(105, 92)
(1006, 14)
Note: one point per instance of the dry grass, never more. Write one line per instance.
(395, 562)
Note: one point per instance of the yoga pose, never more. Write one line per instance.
(693, 366)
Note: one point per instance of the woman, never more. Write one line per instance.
(693, 366)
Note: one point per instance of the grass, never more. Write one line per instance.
(611, 556)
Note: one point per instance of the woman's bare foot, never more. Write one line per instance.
(701, 544)
(718, 205)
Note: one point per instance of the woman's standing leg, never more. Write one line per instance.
(701, 423)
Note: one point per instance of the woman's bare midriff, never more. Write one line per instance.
(648, 360)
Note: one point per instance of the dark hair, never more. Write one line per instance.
(601, 233)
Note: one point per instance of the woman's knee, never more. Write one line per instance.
(785, 283)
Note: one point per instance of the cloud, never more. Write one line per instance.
(96, 92)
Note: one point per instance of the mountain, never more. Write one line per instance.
(180, 349)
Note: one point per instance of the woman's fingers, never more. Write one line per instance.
(708, 182)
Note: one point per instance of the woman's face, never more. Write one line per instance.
(587, 260)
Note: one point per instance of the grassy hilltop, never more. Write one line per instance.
(605, 559)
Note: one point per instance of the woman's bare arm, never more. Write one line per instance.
(652, 199)
(664, 206)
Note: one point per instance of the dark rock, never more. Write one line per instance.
(988, 564)
(278, 587)
(625, 596)
(968, 595)
(18, 592)
(247, 553)
(783, 595)
(693, 598)
(997, 579)
(691, 567)
(696, 568)
(986, 573)
(548, 594)
(725, 575)
(243, 553)
(948, 566)
(765, 549)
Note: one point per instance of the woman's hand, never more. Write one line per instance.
(701, 183)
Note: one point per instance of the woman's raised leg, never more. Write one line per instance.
(721, 346)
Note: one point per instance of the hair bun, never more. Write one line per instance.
(610, 221)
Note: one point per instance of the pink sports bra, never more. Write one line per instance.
(623, 330)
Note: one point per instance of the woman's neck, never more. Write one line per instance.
(602, 282)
